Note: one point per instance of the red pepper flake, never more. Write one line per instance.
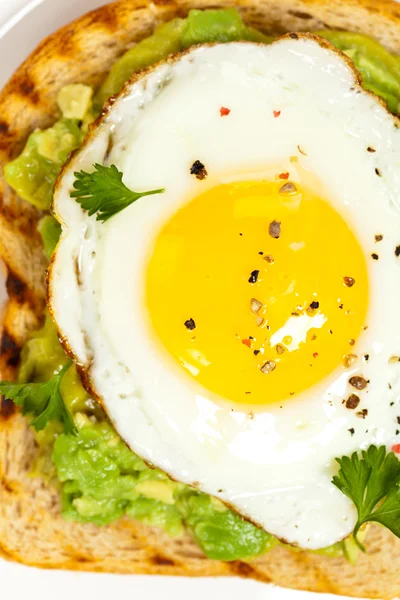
(315, 354)
(223, 111)
(396, 448)
(247, 343)
(276, 113)
(283, 176)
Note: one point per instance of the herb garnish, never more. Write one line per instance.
(371, 480)
(42, 400)
(103, 192)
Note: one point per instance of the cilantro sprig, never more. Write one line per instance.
(371, 479)
(103, 192)
(42, 400)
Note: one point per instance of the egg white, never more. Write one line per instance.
(273, 465)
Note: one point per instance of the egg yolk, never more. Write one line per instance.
(258, 290)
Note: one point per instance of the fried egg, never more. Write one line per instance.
(240, 328)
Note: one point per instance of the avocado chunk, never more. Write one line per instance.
(33, 174)
(212, 26)
(75, 100)
(42, 354)
(50, 231)
(221, 533)
(216, 25)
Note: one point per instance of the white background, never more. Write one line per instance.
(23, 24)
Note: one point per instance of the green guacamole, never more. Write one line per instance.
(99, 477)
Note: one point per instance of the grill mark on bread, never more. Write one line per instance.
(243, 569)
(26, 88)
(82, 560)
(68, 46)
(300, 15)
(7, 409)
(159, 559)
(15, 287)
(8, 141)
(170, 3)
(8, 486)
(10, 349)
(108, 17)
(19, 291)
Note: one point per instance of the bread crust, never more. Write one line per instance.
(32, 530)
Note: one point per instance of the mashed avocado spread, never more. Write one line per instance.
(99, 477)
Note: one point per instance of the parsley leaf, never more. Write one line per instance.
(372, 481)
(103, 192)
(42, 400)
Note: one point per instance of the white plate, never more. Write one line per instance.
(23, 24)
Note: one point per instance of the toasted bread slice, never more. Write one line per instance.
(32, 530)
